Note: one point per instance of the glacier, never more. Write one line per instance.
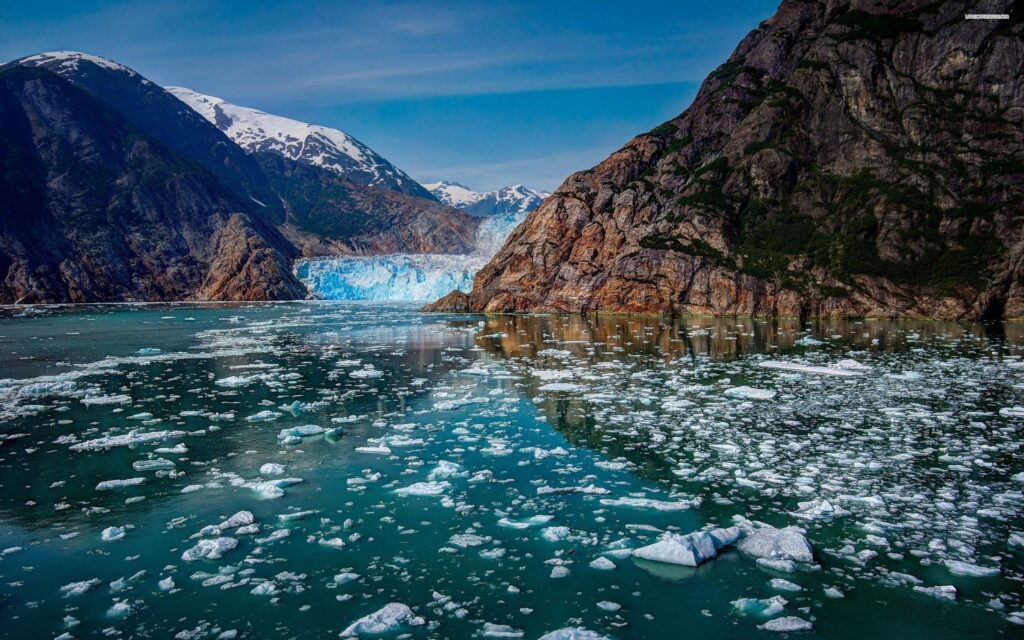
(405, 277)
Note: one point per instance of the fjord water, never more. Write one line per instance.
(485, 462)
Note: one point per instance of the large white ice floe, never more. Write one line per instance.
(573, 633)
(126, 440)
(787, 624)
(691, 549)
(211, 549)
(846, 370)
(389, 618)
(788, 543)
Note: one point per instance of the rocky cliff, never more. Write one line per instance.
(851, 158)
(95, 210)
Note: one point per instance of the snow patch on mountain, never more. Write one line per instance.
(332, 149)
(513, 199)
(66, 62)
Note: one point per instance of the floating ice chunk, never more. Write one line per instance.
(491, 630)
(390, 618)
(128, 439)
(564, 387)
(167, 584)
(960, 568)
(573, 633)
(271, 469)
(424, 489)
(833, 592)
(304, 431)
(1012, 412)
(466, 540)
(119, 609)
(157, 464)
(267, 588)
(240, 519)
(768, 542)
(264, 416)
(78, 588)
(233, 382)
(608, 605)
(851, 365)
(112, 399)
(560, 571)
(749, 393)
(110, 534)
(835, 370)
(819, 510)
(345, 578)
(148, 351)
(688, 550)
(784, 585)
(368, 371)
(444, 469)
(211, 549)
(526, 523)
(768, 607)
(786, 624)
(384, 451)
(946, 592)
(109, 485)
(602, 564)
(648, 503)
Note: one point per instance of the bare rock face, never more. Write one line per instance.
(851, 158)
(246, 267)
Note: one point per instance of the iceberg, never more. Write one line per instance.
(691, 549)
(770, 543)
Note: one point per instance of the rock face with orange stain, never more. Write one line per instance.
(849, 159)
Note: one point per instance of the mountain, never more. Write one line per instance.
(94, 209)
(113, 189)
(507, 200)
(849, 159)
(256, 131)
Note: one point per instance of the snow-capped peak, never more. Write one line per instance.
(67, 62)
(335, 150)
(512, 199)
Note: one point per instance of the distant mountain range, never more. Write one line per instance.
(256, 131)
(507, 200)
(111, 188)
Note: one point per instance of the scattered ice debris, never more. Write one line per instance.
(232, 382)
(387, 619)
(819, 510)
(126, 440)
(648, 503)
(841, 368)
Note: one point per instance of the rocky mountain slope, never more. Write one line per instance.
(507, 200)
(143, 207)
(852, 157)
(94, 209)
(256, 131)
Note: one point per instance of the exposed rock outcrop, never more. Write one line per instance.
(851, 158)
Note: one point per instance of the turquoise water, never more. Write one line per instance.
(519, 450)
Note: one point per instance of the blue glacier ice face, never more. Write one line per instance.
(390, 277)
(405, 277)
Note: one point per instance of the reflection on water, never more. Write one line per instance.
(484, 456)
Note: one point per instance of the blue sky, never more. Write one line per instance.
(485, 93)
